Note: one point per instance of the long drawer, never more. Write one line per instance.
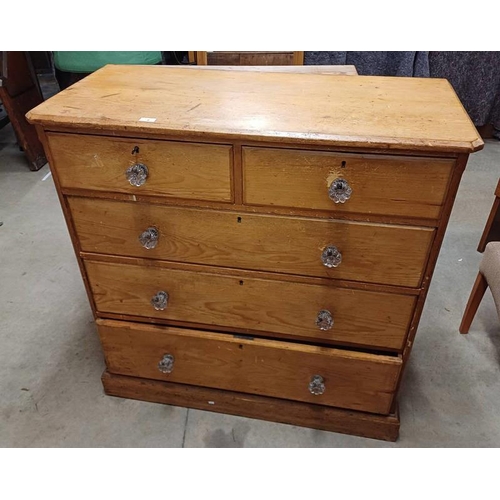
(384, 185)
(174, 169)
(303, 311)
(377, 253)
(285, 370)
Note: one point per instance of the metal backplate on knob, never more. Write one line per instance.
(166, 365)
(149, 238)
(137, 174)
(324, 320)
(331, 257)
(160, 300)
(317, 385)
(339, 190)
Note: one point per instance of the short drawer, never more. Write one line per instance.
(285, 370)
(380, 185)
(174, 169)
(297, 310)
(377, 253)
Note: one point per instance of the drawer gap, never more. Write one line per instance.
(263, 336)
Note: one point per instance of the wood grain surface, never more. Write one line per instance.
(376, 253)
(285, 411)
(419, 114)
(322, 69)
(176, 169)
(353, 380)
(372, 319)
(250, 57)
(384, 185)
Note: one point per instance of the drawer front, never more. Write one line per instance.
(176, 169)
(383, 185)
(376, 253)
(372, 319)
(285, 370)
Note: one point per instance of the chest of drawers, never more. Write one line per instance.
(254, 243)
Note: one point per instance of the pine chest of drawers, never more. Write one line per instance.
(259, 244)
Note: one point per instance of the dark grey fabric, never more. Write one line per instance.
(376, 63)
(475, 76)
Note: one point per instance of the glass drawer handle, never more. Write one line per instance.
(317, 385)
(324, 320)
(331, 257)
(339, 191)
(160, 301)
(137, 174)
(166, 365)
(149, 238)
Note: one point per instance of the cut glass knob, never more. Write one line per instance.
(166, 365)
(137, 174)
(317, 385)
(324, 320)
(339, 190)
(149, 238)
(160, 300)
(331, 257)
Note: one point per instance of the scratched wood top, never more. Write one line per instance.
(323, 69)
(418, 114)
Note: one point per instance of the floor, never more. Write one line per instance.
(50, 358)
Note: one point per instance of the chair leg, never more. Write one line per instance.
(480, 286)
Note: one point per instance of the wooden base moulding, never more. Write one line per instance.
(248, 405)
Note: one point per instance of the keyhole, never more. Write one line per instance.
(135, 150)
(241, 282)
(342, 164)
(239, 219)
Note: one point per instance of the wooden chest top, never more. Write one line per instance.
(412, 114)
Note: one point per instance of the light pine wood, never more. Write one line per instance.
(309, 280)
(285, 411)
(176, 169)
(385, 185)
(250, 269)
(433, 256)
(419, 114)
(372, 319)
(251, 209)
(298, 57)
(237, 175)
(376, 253)
(201, 57)
(317, 70)
(353, 380)
(476, 295)
(67, 216)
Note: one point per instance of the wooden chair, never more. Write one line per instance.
(489, 269)
(492, 229)
(488, 276)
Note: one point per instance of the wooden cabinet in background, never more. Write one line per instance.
(20, 92)
(247, 58)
